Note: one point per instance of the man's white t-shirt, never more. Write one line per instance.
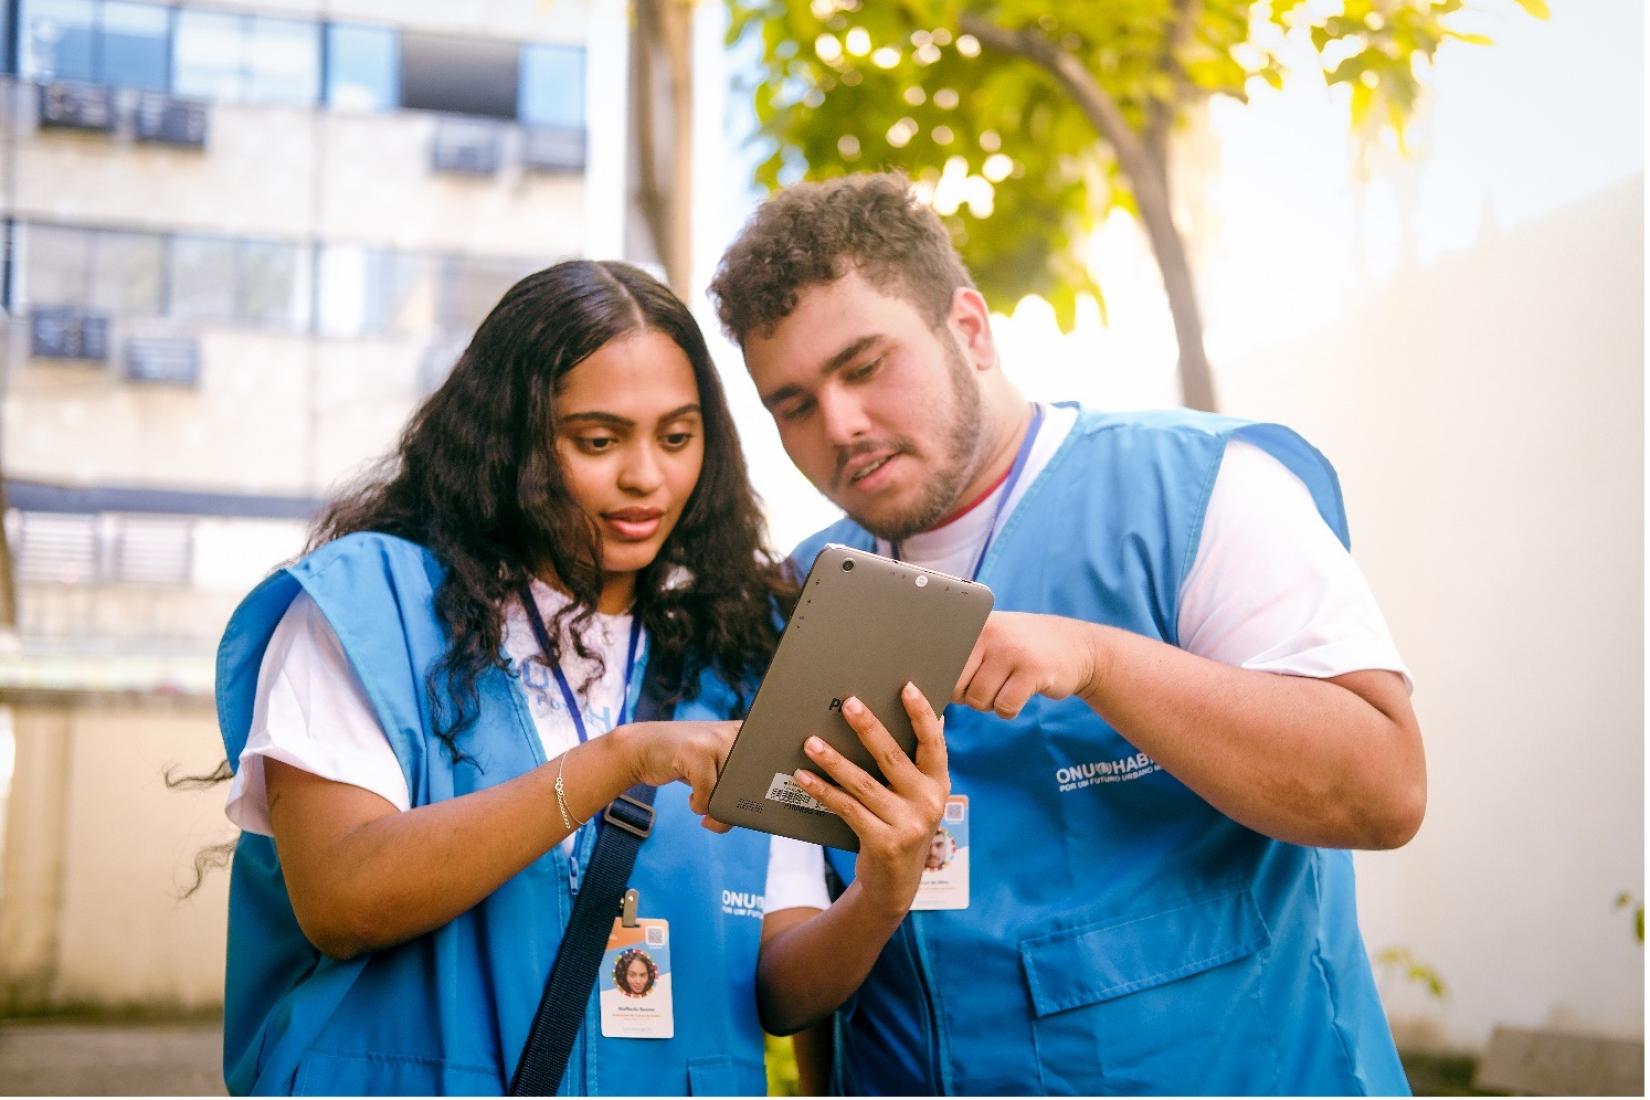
(1270, 588)
(310, 710)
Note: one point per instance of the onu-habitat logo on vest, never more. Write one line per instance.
(740, 903)
(1078, 776)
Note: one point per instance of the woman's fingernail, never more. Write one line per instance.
(911, 691)
(804, 778)
(852, 705)
(814, 746)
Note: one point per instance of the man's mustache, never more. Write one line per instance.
(892, 447)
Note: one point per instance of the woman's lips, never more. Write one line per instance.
(634, 524)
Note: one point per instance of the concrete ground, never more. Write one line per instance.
(75, 1058)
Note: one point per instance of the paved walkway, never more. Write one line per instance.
(58, 1058)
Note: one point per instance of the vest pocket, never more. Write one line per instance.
(1165, 1002)
(720, 1076)
(330, 1073)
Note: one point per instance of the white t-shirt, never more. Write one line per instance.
(310, 710)
(1271, 588)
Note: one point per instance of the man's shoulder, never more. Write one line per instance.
(844, 532)
(1189, 424)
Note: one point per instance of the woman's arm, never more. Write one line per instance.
(811, 961)
(363, 875)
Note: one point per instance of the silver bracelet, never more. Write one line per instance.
(567, 819)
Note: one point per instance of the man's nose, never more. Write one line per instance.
(843, 417)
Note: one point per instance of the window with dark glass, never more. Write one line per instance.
(363, 68)
(552, 86)
(470, 286)
(466, 76)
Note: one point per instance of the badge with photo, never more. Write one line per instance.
(945, 874)
(635, 982)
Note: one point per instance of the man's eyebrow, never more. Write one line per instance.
(835, 363)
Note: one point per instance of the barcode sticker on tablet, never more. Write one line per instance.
(784, 789)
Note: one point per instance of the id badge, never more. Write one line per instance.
(635, 982)
(945, 876)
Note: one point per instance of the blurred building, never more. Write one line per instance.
(242, 240)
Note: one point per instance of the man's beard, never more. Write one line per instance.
(962, 441)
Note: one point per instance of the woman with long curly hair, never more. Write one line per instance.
(425, 709)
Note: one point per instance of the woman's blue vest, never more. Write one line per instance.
(448, 1011)
(1123, 936)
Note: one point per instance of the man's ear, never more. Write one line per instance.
(970, 321)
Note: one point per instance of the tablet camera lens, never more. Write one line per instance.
(922, 582)
(848, 565)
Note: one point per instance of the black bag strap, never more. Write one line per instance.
(625, 824)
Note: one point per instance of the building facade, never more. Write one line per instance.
(242, 239)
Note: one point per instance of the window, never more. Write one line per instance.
(59, 40)
(466, 76)
(114, 42)
(273, 288)
(471, 287)
(135, 45)
(206, 55)
(370, 292)
(57, 266)
(363, 68)
(203, 278)
(552, 86)
(128, 272)
(245, 58)
(283, 61)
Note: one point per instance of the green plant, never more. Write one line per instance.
(1623, 900)
(1401, 961)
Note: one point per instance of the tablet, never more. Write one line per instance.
(863, 626)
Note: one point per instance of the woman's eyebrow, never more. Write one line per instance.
(690, 409)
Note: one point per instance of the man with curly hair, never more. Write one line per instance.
(1185, 710)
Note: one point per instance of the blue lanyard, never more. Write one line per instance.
(1013, 478)
(542, 633)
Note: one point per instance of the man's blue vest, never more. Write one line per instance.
(1123, 936)
(448, 1012)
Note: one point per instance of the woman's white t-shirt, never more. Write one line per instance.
(310, 710)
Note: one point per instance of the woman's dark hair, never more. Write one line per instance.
(476, 481)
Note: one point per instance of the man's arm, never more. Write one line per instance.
(1335, 763)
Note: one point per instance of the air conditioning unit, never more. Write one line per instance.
(71, 105)
(68, 332)
(467, 147)
(163, 120)
(554, 148)
(174, 360)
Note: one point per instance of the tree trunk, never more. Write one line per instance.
(1147, 173)
(666, 27)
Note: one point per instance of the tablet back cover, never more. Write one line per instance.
(863, 626)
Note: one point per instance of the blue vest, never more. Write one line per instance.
(448, 1012)
(1122, 936)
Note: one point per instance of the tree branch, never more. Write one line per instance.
(1160, 113)
(1090, 98)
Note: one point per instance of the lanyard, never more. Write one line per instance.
(1013, 478)
(573, 710)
